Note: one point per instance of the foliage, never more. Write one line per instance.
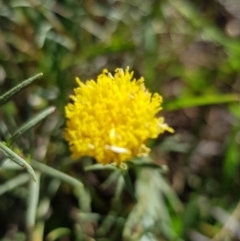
(187, 51)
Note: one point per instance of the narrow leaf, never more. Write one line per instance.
(13, 183)
(202, 100)
(99, 167)
(146, 164)
(33, 197)
(8, 95)
(111, 179)
(128, 184)
(55, 173)
(57, 234)
(16, 158)
(32, 122)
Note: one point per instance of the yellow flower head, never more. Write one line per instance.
(112, 118)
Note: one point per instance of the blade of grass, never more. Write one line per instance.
(17, 159)
(106, 225)
(13, 183)
(128, 184)
(111, 179)
(32, 122)
(119, 188)
(55, 173)
(8, 95)
(99, 167)
(57, 234)
(32, 206)
(84, 199)
(147, 164)
(200, 101)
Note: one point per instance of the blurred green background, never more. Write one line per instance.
(189, 52)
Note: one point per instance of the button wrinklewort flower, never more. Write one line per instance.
(112, 119)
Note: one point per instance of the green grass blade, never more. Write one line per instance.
(129, 185)
(200, 101)
(13, 183)
(99, 167)
(32, 205)
(32, 122)
(8, 95)
(17, 159)
(113, 177)
(55, 173)
(58, 233)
